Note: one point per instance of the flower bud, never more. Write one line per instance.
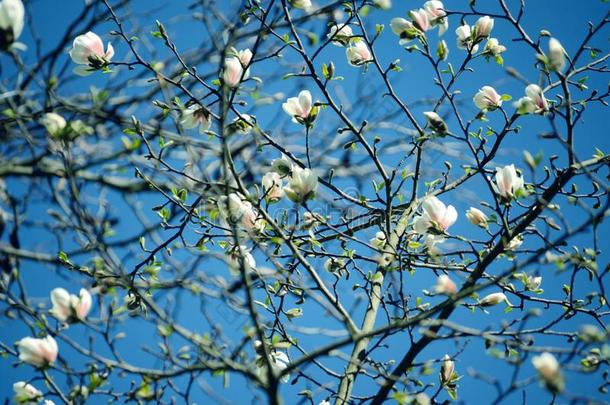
(444, 285)
(447, 370)
(508, 183)
(482, 28)
(557, 56)
(12, 15)
(404, 29)
(67, 307)
(302, 4)
(549, 371)
(442, 51)
(358, 54)
(493, 47)
(435, 122)
(493, 299)
(340, 34)
(272, 187)
(477, 217)
(54, 124)
(26, 393)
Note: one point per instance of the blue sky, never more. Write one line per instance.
(566, 20)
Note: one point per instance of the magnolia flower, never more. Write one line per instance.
(68, 307)
(302, 186)
(532, 283)
(12, 16)
(26, 393)
(383, 4)
(233, 72)
(88, 51)
(53, 123)
(404, 29)
(493, 47)
(549, 371)
(244, 56)
(325, 402)
(282, 166)
(508, 182)
(534, 102)
(272, 187)
(435, 122)
(444, 285)
(358, 54)
(442, 51)
(279, 360)
(242, 124)
(447, 370)
(477, 217)
(37, 352)
(464, 39)
(436, 217)
(514, 243)
(237, 255)
(340, 34)
(487, 99)
(300, 108)
(482, 28)
(421, 399)
(437, 15)
(196, 116)
(379, 241)
(238, 211)
(302, 4)
(420, 19)
(557, 55)
(493, 299)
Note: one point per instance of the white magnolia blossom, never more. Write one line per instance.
(420, 19)
(482, 28)
(493, 299)
(235, 258)
(53, 123)
(300, 108)
(531, 283)
(435, 122)
(447, 369)
(358, 54)
(557, 55)
(272, 187)
(464, 39)
(233, 72)
(12, 15)
(421, 399)
(436, 216)
(67, 307)
(477, 217)
(404, 29)
(493, 47)
(282, 166)
(242, 124)
(534, 101)
(26, 393)
(302, 186)
(549, 370)
(325, 402)
(442, 50)
(88, 51)
(487, 98)
(279, 360)
(379, 241)
(383, 4)
(196, 116)
(302, 4)
(238, 211)
(514, 243)
(340, 34)
(37, 352)
(508, 182)
(437, 15)
(444, 285)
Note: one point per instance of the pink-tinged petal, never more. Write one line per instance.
(305, 102)
(109, 52)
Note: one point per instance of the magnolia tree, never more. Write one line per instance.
(293, 202)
